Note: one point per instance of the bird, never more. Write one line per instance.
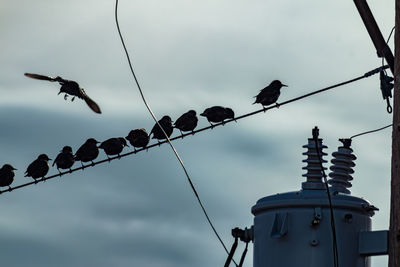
(270, 94)
(69, 88)
(6, 175)
(187, 122)
(166, 124)
(113, 146)
(39, 167)
(218, 114)
(138, 138)
(65, 159)
(88, 151)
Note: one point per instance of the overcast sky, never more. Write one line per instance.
(140, 211)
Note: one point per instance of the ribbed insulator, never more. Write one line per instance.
(314, 172)
(342, 168)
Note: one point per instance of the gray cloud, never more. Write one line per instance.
(140, 210)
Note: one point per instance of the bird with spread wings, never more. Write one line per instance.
(69, 88)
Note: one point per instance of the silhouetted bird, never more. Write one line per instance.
(39, 167)
(218, 114)
(166, 124)
(113, 146)
(270, 94)
(138, 138)
(88, 151)
(65, 159)
(69, 88)
(187, 122)
(6, 175)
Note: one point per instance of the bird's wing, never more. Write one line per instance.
(57, 159)
(93, 105)
(43, 77)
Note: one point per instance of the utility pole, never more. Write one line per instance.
(394, 228)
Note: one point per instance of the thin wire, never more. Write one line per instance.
(372, 131)
(166, 136)
(387, 42)
(374, 71)
(333, 227)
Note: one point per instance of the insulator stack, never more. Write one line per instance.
(342, 168)
(313, 160)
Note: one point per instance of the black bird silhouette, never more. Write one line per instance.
(187, 122)
(69, 88)
(39, 167)
(113, 146)
(6, 175)
(218, 114)
(138, 138)
(65, 159)
(166, 124)
(270, 94)
(88, 151)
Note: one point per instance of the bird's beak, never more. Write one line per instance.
(14, 168)
(284, 85)
(59, 92)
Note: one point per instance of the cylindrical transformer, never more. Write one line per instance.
(296, 228)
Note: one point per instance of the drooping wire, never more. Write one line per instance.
(372, 131)
(168, 140)
(333, 226)
(368, 74)
(387, 42)
(388, 107)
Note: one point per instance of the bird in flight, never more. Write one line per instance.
(270, 94)
(69, 88)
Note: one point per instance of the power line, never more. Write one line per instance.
(372, 131)
(372, 72)
(166, 136)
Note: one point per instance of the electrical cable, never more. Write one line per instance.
(374, 71)
(372, 131)
(169, 141)
(387, 42)
(333, 226)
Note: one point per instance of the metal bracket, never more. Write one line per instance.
(373, 243)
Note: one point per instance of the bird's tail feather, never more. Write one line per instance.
(40, 77)
(93, 105)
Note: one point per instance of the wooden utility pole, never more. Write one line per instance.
(394, 228)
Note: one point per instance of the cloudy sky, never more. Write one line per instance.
(140, 211)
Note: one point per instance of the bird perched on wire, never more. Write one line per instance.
(65, 159)
(270, 94)
(69, 88)
(88, 151)
(113, 146)
(218, 114)
(138, 138)
(39, 167)
(6, 175)
(166, 124)
(187, 122)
